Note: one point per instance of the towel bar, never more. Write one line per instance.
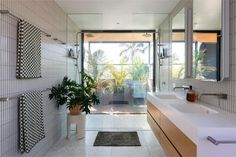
(7, 12)
(15, 97)
(63, 43)
(216, 142)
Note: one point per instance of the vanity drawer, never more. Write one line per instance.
(170, 137)
(170, 151)
(156, 114)
(181, 142)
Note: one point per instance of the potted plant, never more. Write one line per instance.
(76, 97)
(119, 75)
(84, 95)
(61, 92)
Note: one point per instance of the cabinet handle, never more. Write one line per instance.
(216, 142)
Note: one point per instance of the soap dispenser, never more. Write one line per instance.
(191, 95)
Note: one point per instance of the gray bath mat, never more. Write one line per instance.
(117, 139)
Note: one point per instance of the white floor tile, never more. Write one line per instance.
(89, 151)
(130, 152)
(155, 151)
(150, 146)
(148, 138)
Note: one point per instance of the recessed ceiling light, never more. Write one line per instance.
(147, 35)
(89, 35)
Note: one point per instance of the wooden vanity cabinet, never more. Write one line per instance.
(174, 142)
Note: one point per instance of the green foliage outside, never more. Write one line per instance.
(139, 71)
(198, 58)
(98, 66)
(119, 74)
(95, 58)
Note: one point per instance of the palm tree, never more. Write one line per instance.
(98, 57)
(130, 49)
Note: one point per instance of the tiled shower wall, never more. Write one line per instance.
(227, 86)
(164, 63)
(55, 65)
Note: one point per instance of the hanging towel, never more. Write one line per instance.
(30, 120)
(28, 51)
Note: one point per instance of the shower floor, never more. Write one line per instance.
(119, 109)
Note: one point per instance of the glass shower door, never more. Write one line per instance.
(122, 68)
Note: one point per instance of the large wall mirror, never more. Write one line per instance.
(209, 40)
(178, 45)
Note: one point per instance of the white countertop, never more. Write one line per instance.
(197, 126)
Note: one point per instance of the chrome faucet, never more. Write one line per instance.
(219, 95)
(182, 87)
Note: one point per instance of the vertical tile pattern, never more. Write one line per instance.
(164, 30)
(46, 15)
(228, 86)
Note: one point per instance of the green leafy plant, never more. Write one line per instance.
(62, 91)
(95, 58)
(197, 59)
(178, 67)
(178, 71)
(130, 49)
(72, 94)
(139, 70)
(119, 75)
(84, 94)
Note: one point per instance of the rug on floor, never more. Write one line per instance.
(105, 138)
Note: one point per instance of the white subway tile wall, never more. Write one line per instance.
(48, 16)
(164, 30)
(228, 86)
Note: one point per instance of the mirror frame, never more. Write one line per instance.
(225, 49)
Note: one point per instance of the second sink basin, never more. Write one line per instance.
(193, 108)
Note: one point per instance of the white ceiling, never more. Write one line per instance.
(129, 14)
(204, 17)
(178, 22)
(207, 14)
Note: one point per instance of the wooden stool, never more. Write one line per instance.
(79, 120)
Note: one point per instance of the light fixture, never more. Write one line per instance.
(147, 35)
(89, 35)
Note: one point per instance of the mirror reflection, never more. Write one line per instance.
(178, 45)
(206, 39)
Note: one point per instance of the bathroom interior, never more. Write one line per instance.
(117, 78)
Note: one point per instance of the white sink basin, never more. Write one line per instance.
(166, 96)
(193, 108)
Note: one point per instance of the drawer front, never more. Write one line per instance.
(170, 151)
(181, 142)
(156, 114)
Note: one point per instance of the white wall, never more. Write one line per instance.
(165, 37)
(55, 65)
